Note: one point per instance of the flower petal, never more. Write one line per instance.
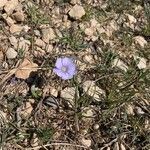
(58, 72)
(67, 61)
(59, 63)
(67, 76)
(69, 64)
(72, 69)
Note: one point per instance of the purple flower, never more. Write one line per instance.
(65, 68)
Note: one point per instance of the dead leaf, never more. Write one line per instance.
(26, 110)
(24, 70)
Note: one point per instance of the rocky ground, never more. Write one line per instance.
(105, 106)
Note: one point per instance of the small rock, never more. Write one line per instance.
(114, 26)
(140, 111)
(94, 23)
(89, 31)
(129, 109)
(81, 65)
(11, 53)
(39, 52)
(16, 29)
(82, 26)
(88, 59)
(26, 28)
(77, 12)
(2, 3)
(58, 33)
(132, 19)
(48, 34)
(140, 40)
(26, 110)
(54, 92)
(138, 9)
(73, 2)
(91, 89)
(10, 6)
(111, 28)
(19, 16)
(86, 142)
(56, 11)
(37, 33)
(20, 7)
(49, 48)
(68, 94)
(23, 44)
(66, 25)
(29, 4)
(120, 64)
(13, 41)
(8, 19)
(108, 30)
(101, 30)
(40, 43)
(32, 101)
(96, 126)
(94, 38)
(50, 3)
(141, 62)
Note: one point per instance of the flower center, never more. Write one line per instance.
(64, 69)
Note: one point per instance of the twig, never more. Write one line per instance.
(10, 73)
(110, 143)
(105, 76)
(57, 144)
(76, 106)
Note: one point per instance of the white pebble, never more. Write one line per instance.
(11, 53)
(77, 12)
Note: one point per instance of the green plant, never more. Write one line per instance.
(45, 134)
(74, 40)
(36, 17)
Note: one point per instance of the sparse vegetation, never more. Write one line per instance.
(105, 106)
